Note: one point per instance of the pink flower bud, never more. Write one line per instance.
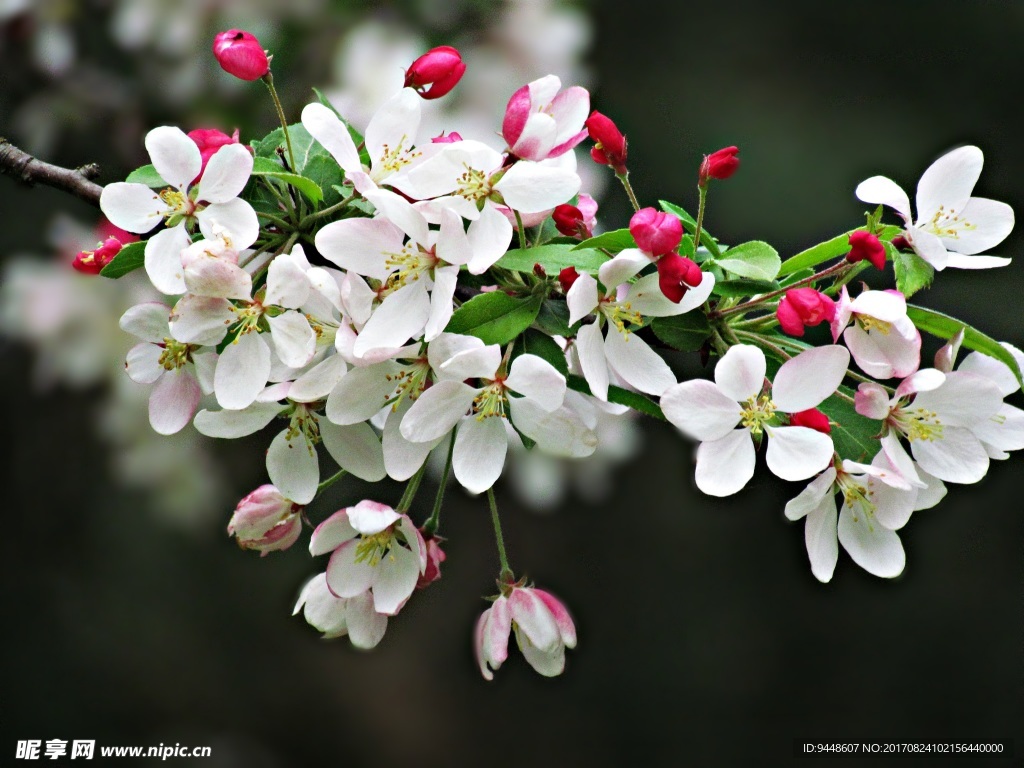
(240, 54)
(569, 221)
(567, 277)
(676, 275)
(209, 140)
(719, 165)
(864, 245)
(266, 521)
(610, 145)
(440, 68)
(451, 138)
(656, 233)
(812, 419)
(802, 307)
(435, 556)
(93, 262)
(536, 617)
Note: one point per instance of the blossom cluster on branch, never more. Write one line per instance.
(380, 297)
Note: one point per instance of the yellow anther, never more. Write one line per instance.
(175, 354)
(757, 412)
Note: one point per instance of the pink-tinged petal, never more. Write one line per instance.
(143, 363)
(294, 339)
(370, 517)
(395, 124)
(361, 393)
(740, 372)
(637, 364)
(963, 400)
(888, 306)
(872, 401)
(331, 534)
(844, 313)
(148, 321)
(566, 628)
(948, 182)
(884, 356)
(226, 174)
(543, 90)
(479, 456)
(700, 409)
(977, 363)
(590, 350)
(175, 156)
(293, 467)
(957, 457)
(945, 358)
(173, 401)
(820, 538)
(493, 630)
(235, 424)
(879, 190)
(557, 433)
(327, 128)
(530, 187)
(535, 378)
(873, 547)
(531, 615)
(805, 380)
(622, 267)
(570, 109)
(132, 207)
(235, 218)
(906, 471)
(958, 261)
(400, 317)
(402, 459)
(397, 575)
(287, 284)
(322, 610)
(725, 466)
(549, 663)
(516, 114)
(217, 278)
(537, 138)
(990, 221)
(414, 539)
(488, 238)
(366, 627)
(581, 298)
(345, 576)
(205, 364)
(441, 307)
(361, 245)
(472, 363)
(163, 260)
(356, 448)
(437, 410)
(796, 453)
(242, 371)
(201, 319)
(319, 381)
(810, 498)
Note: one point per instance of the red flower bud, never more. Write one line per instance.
(240, 54)
(610, 144)
(900, 243)
(567, 277)
(92, 262)
(440, 68)
(209, 140)
(864, 245)
(802, 307)
(676, 275)
(569, 221)
(435, 556)
(812, 419)
(451, 138)
(719, 165)
(656, 233)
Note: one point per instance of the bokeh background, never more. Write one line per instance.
(130, 618)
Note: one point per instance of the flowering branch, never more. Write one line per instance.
(31, 170)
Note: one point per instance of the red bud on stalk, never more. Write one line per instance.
(240, 54)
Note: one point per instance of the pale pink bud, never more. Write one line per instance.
(801, 307)
(656, 233)
(435, 556)
(540, 621)
(266, 521)
(812, 419)
(676, 275)
(719, 165)
(440, 68)
(864, 245)
(240, 54)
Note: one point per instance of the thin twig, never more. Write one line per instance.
(31, 170)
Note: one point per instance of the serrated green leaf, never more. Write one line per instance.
(830, 249)
(756, 260)
(325, 171)
(618, 395)
(853, 435)
(614, 241)
(128, 259)
(147, 175)
(705, 237)
(554, 258)
(743, 288)
(263, 166)
(533, 342)
(912, 272)
(495, 317)
(946, 327)
(553, 318)
(686, 332)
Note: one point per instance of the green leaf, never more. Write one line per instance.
(553, 318)
(147, 175)
(756, 260)
(495, 317)
(854, 435)
(327, 174)
(912, 272)
(796, 277)
(744, 288)
(686, 332)
(533, 342)
(633, 400)
(263, 166)
(946, 327)
(554, 258)
(128, 259)
(326, 102)
(614, 241)
(705, 237)
(830, 249)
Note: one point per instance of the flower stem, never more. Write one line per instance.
(281, 223)
(624, 178)
(522, 232)
(269, 80)
(331, 480)
(835, 269)
(328, 211)
(703, 191)
(410, 491)
(430, 527)
(506, 572)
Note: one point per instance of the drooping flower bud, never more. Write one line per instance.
(240, 54)
(676, 275)
(801, 307)
(812, 419)
(439, 68)
(567, 277)
(451, 138)
(93, 262)
(266, 521)
(209, 140)
(435, 556)
(569, 221)
(610, 145)
(656, 233)
(864, 245)
(719, 165)
(542, 626)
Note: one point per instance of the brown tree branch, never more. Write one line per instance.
(30, 170)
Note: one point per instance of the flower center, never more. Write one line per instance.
(621, 315)
(757, 412)
(410, 264)
(869, 323)
(917, 423)
(857, 496)
(473, 184)
(409, 382)
(175, 354)
(948, 224)
(491, 400)
(372, 548)
(392, 160)
(304, 422)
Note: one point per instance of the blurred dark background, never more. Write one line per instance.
(704, 639)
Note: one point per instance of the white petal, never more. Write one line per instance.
(796, 453)
(366, 627)
(581, 298)
(236, 217)
(235, 424)
(400, 212)
(441, 307)
(132, 207)
(148, 321)
(361, 393)
(400, 317)
(873, 547)
(530, 187)
(175, 156)
(700, 409)
(293, 467)
(480, 447)
(549, 663)
(173, 401)
(880, 190)
(740, 372)
(447, 345)
(535, 378)
(933, 492)
(489, 238)
(242, 371)
(393, 125)
(928, 247)
(958, 261)
(560, 433)
(322, 610)
(215, 277)
(533, 618)
(331, 534)
(345, 576)
(948, 182)
(437, 410)
(361, 245)
(622, 267)
(636, 363)
(402, 458)
(287, 284)
(294, 340)
(590, 349)
(143, 363)
(645, 297)
(325, 126)
(883, 305)
(977, 363)
(883, 356)
(805, 380)
(356, 448)
(963, 400)
(163, 260)
(201, 319)
(226, 174)
(396, 579)
(956, 457)
(810, 497)
(820, 538)
(319, 381)
(725, 465)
